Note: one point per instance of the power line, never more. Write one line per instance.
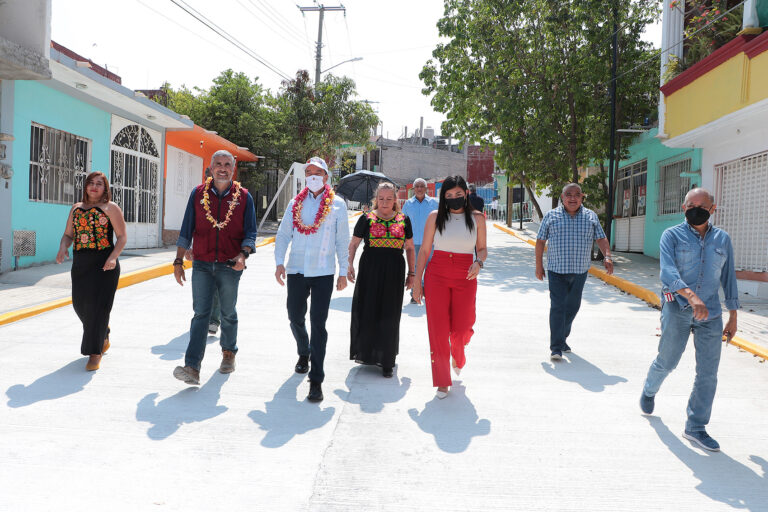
(276, 26)
(211, 25)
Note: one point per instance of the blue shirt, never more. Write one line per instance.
(703, 265)
(418, 211)
(312, 255)
(249, 222)
(570, 239)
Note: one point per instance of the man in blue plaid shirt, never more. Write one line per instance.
(570, 229)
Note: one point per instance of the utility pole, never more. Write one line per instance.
(611, 156)
(321, 9)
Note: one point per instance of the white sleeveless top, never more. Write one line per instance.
(455, 236)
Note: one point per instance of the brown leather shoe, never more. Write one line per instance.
(227, 361)
(93, 362)
(187, 374)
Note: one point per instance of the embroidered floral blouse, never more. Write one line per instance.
(379, 233)
(92, 229)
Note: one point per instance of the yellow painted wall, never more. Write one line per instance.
(733, 85)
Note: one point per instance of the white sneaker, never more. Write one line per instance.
(441, 394)
(213, 328)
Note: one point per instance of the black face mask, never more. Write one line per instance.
(697, 215)
(455, 203)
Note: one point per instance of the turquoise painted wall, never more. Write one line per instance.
(646, 145)
(36, 102)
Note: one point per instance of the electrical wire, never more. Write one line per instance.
(276, 26)
(196, 34)
(218, 30)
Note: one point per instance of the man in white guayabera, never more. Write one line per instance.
(316, 227)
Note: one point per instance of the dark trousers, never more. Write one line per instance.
(299, 290)
(565, 301)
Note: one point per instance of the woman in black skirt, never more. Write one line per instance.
(378, 298)
(95, 269)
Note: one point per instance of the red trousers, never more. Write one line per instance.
(450, 299)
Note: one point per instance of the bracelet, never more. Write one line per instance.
(411, 273)
(178, 261)
(245, 253)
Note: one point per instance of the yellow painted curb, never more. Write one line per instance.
(510, 232)
(750, 347)
(627, 286)
(127, 279)
(646, 295)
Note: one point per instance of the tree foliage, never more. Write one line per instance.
(296, 123)
(531, 78)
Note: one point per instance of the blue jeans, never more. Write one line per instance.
(299, 290)
(207, 278)
(215, 310)
(565, 301)
(676, 326)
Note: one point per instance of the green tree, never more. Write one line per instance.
(531, 78)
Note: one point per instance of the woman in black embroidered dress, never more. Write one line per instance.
(95, 269)
(378, 297)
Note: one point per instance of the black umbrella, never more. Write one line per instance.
(360, 185)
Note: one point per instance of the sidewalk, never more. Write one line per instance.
(32, 286)
(643, 271)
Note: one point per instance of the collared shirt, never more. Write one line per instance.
(418, 211)
(249, 221)
(701, 264)
(312, 255)
(570, 239)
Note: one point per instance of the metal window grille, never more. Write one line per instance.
(741, 189)
(58, 164)
(135, 174)
(672, 187)
(631, 190)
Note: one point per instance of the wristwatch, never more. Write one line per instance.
(479, 262)
(245, 253)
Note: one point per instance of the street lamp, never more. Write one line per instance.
(340, 63)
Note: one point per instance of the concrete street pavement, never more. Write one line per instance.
(517, 432)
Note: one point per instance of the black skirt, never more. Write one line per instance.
(93, 291)
(376, 307)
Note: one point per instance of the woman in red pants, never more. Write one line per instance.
(450, 284)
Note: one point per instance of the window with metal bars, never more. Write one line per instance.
(630, 190)
(673, 186)
(58, 164)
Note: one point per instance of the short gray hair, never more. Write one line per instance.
(223, 152)
(571, 185)
(419, 181)
(699, 190)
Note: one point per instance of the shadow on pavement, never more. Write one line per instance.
(722, 478)
(67, 380)
(342, 304)
(190, 405)
(286, 417)
(177, 347)
(576, 369)
(452, 421)
(368, 389)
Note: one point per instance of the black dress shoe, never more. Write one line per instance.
(302, 366)
(315, 392)
(387, 372)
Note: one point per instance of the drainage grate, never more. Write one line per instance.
(24, 243)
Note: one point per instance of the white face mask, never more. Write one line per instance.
(314, 183)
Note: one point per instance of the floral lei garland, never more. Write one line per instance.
(326, 202)
(232, 204)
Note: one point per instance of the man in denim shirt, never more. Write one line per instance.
(316, 226)
(696, 259)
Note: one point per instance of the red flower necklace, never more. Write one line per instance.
(326, 202)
